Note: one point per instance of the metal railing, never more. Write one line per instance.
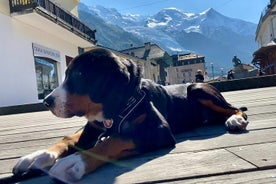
(55, 13)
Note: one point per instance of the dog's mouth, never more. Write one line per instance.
(65, 111)
(62, 114)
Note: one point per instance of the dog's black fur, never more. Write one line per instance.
(148, 113)
(126, 114)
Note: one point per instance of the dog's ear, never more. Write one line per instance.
(109, 74)
(122, 73)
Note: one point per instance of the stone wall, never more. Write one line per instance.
(246, 83)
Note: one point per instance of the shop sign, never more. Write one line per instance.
(41, 51)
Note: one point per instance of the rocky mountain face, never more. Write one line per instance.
(208, 33)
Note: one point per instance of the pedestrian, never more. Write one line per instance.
(199, 76)
(206, 77)
(230, 75)
(261, 72)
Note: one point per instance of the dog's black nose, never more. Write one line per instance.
(49, 101)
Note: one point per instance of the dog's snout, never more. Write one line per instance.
(49, 101)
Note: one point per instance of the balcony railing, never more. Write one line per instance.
(53, 12)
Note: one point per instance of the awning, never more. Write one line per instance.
(264, 49)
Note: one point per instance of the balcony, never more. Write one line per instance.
(54, 13)
(268, 11)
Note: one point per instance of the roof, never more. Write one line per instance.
(140, 47)
(268, 46)
(189, 56)
(143, 52)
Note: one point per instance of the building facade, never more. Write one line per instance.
(38, 40)
(185, 67)
(265, 56)
(139, 62)
(156, 59)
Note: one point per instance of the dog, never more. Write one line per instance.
(127, 115)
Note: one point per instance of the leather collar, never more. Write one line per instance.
(115, 124)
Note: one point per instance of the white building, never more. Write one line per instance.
(265, 56)
(185, 67)
(38, 39)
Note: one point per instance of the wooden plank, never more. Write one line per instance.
(15, 152)
(20, 137)
(199, 139)
(262, 109)
(7, 165)
(267, 121)
(256, 177)
(172, 166)
(225, 140)
(261, 116)
(33, 120)
(157, 168)
(193, 144)
(267, 90)
(249, 97)
(255, 100)
(261, 155)
(44, 128)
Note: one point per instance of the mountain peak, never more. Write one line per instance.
(210, 12)
(176, 11)
(171, 8)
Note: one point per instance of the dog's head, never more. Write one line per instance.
(97, 84)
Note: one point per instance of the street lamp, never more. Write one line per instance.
(212, 66)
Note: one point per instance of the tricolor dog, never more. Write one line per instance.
(127, 115)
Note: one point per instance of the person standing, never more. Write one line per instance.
(199, 76)
(230, 75)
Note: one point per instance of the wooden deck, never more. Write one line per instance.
(205, 155)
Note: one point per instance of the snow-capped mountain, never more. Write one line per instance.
(172, 19)
(208, 33)
(112, 16)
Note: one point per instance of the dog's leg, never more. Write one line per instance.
(41, 159)
(151, 132)
(237, 119)
(73, 167)
(210, 97)
(45, 158)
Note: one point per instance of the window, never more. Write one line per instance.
(68, 60)
(46, 76)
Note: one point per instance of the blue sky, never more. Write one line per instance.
(248, 10)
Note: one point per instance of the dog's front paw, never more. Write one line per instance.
(36, 160)
(70, 168)
(236, 123)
